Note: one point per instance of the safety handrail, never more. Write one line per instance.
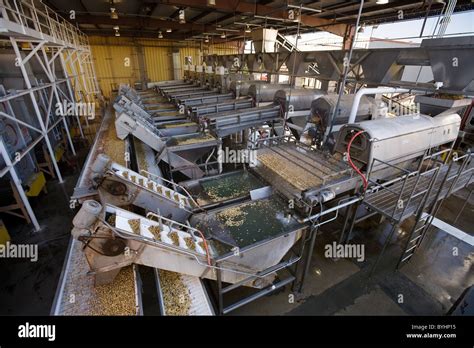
(175, 186)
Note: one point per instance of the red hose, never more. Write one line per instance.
(206, 247)
(364, 179)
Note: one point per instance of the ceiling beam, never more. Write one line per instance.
(236, 6)
(145, 22)
(400, 5)
(200, 16)
(153, 35)
(175, 14)
(226, 17)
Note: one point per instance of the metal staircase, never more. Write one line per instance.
(418, 193)
(290, 47)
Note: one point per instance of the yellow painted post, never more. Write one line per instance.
(4, 236)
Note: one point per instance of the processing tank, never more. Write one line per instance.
(322, 110)
(300, 99)
(397, 139)
(241, 88)
(262, 93)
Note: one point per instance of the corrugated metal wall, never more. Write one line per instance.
(116, 61)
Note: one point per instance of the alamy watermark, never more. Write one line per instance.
(404, 110)
(28, 330)
(67, 108)
(237, 156)
(345, 251)
(20, 251)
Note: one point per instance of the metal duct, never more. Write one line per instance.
(364, 91)
(322, 109)
(241, 88)
(262, 93)
(264, 40)
(300, 99)
(398, 139)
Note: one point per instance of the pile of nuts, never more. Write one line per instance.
(116, 298)
(293, 174)
(140, 154)
(135, 225)
(176, 297)
(196, 140)
(174, 237)
(232, 216)
(113, 146)
(190, 243)
(111, 219)
(155, 231)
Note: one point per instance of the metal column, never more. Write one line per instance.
(17, 182)
(35, 106)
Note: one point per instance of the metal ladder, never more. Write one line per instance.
(424, 220)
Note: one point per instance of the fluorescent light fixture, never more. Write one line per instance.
(160, 35)
(381, 2)
(304, 8)
(181, 16)
(168, 30)
(225, 29)
(113, 13)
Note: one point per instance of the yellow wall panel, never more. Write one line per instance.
(116, 58)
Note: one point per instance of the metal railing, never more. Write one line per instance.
(37, 19)
(176, 187)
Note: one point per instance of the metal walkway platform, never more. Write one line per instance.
(389, 202)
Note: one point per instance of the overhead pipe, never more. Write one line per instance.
(365, 91)
(345, 72)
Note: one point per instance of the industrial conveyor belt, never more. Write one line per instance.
(193, 299)
(171, 94)
(174, 89)
(300, 168)
(171, 87)
(106, 141)
(198, 111)
(171, 128)
(182, 294)
(208, 99)
(224, 124)
(77, 294)
(190, 94)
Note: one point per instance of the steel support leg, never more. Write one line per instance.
(387, 242)
(220, 295)
(71, 93)
(17, 182)
(36, 108)
(58, 99)
(314, 231)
